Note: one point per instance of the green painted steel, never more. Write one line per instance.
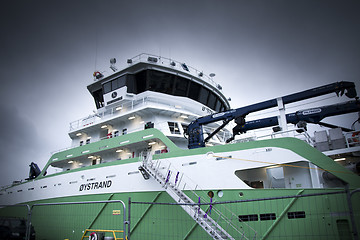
(326, 217)
(295, 145)
(318, 217)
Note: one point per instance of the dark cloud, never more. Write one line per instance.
(19, 144)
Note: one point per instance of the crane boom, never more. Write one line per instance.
(195, 131)
(312, 115)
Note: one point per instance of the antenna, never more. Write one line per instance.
(112, 64)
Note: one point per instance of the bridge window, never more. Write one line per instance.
(211, 101)
(161, 82)
(194, 91)
(115, 84)
(204, 93)
(141, 82)
(218, 106)
(157, 81)
(181, 86)
(107, 87)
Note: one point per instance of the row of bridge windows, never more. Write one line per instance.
(157, 81)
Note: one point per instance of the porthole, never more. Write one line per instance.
(211, 194)
(220, 193)
(241, 194)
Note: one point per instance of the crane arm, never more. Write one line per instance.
(195, 131)
(312, 115)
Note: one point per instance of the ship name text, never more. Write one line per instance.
(95, 185)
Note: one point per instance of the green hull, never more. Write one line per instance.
(312, 217)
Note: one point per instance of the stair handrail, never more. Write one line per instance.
(221, 215)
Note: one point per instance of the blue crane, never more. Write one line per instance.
(195, 131)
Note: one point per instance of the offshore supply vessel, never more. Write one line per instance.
(160, 142)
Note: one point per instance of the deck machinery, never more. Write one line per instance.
(314, 115)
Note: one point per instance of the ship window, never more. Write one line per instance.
(107, 87)
(116, 133)
(248, 218)
(114, 85)
(267, 216)
(257, 184)
(204, 93)
(87, 141)
(149, 125)
(131, 84)
(218, 106)
(211, 101)
(140, 82)
(194, 91)
(161, 82)
(81, 143)
(118, 83)
(174, 128)
(181, 86)
(124, 131)
(222, 108)
(293, 215)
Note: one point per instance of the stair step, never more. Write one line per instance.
(207, 223)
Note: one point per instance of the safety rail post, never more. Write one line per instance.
(178, 185)
(75, 203)
(353, 223)
(129, 215)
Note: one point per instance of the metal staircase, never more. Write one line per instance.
(187, 204)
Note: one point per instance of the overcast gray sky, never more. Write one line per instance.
(258, 49)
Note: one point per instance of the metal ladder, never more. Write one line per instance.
(193, 210)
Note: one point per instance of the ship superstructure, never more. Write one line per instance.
(153, 92)
(135, 146)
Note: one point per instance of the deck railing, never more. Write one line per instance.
(128, 107)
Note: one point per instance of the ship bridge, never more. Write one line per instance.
(152, 92)
(158, 74)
